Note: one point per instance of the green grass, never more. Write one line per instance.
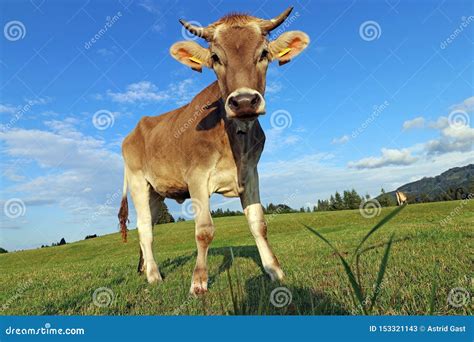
(426, 261)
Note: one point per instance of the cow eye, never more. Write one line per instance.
(215, 58)
(264, 55)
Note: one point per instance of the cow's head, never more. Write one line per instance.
(239, 52)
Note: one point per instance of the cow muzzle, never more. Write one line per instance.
(245, 104)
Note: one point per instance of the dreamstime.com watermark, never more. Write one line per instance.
(197, 114)
(376, 111)
(459, 297)
(190, 209)
(103, 119)
(281, 297)
(459, 119)
(14, 208)
(370, 30)
(284, 26)
(465, 22)
(281, 119)
(279, 210)
(110, 21)
(103, 209)
(188, 35)
(18, 115)
(103, 297)
(18, 294)
(370, 208)
(46, 330)
(456, 211)
(14, 30)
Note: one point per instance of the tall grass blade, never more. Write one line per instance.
(262, 296)
(434, 288)
(231, 289)
(378, 225)
(347, 269)
(383, 266)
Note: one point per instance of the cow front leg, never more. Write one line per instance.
(258, 227)
(204, 233)
(253, 210)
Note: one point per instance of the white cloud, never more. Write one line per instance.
(440, 123)
(149, 6)
(388, 157)
(455, 135)
(146, 91)
(418, 122)
(105, 52)
(453, 138)
(273, 87)
(182, 92)
(441, 146)
(38, 101)
(153, 8)
(26, 107)
(462, 133)
(342, 140)
(71, 163)
(8, 109)
(467, 105)
(277, 139)
(143, 91)
(313, 177)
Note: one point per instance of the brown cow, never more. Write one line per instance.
(401, 198)
(213, 144)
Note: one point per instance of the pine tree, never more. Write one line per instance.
(163, 215)
(338, 202)
(332, 203)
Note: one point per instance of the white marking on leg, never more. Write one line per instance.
(140, 196)
(258, 227)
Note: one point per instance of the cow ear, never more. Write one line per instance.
(191, 54)
(288, 45)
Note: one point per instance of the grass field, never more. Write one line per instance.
(62, 280)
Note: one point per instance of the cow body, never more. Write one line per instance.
(401, 198)
(211, 145)
(201, 147)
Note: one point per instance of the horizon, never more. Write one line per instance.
(382, 97)
(191, 219)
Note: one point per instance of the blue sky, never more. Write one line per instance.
(382, 96)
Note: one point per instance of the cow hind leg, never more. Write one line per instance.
(154, 201)
(140, 191)
(141, 262)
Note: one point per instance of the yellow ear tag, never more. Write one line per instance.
(284, 52)
(195, 60)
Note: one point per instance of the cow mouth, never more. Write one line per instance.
(248, 117)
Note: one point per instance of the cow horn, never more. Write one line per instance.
(268, 25)
(199, 31)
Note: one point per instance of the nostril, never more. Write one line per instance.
(255, 100)
(233, 102)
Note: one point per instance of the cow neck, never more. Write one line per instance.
(243, 145)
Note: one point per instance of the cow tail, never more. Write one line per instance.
(123, 212)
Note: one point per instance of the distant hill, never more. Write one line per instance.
(456, 183)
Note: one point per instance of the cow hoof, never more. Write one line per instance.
(275, 273)
(198, 289)
(152, 274)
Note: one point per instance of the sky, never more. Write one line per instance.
(382, 96)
